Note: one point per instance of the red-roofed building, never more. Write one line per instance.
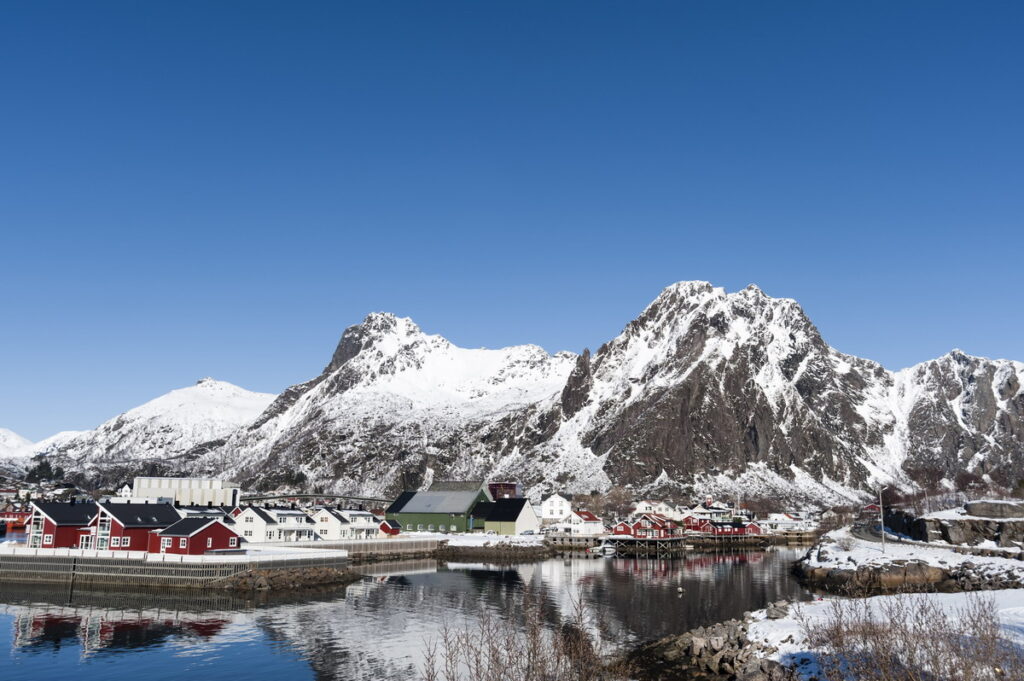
(649, 526)
(583, 523)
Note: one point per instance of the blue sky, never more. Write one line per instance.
(192, 189)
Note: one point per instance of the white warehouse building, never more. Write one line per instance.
(187, 491)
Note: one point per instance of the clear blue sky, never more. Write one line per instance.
(193, 188)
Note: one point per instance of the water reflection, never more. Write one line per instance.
(374, 629)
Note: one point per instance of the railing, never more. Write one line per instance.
(137, 568)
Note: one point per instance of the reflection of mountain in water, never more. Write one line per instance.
(376, 628)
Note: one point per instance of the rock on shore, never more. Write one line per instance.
(294, 578)
(717, 652)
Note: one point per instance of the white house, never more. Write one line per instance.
(335, 524)
(659, 507)
(511, 516)
(584, 524)
(555, 508)
(787, 522)
(187, 491)
(256, 525)
(712, 510)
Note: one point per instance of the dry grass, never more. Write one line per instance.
(910, 638)
(536, 646)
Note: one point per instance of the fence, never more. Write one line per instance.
(358, 548)
(147, 570)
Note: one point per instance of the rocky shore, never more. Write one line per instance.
(498, 552)
(719, 652)
(995, 523)
(279, 580)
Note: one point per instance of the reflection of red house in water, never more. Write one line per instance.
(94, 632)
(648, 526)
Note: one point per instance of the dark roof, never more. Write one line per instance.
(337, 514)
(393, 524)
(482, 509)
(506, 510)
(459, 501)
(457, 486)
(143, 515)
(267, 518)
(401, 501)
(186, 527)
(63, 513)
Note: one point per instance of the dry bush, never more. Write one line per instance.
(910, 638)
(529, 648)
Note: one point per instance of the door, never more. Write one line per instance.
(165, 543)
(85, 542)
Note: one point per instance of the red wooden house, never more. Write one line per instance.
(194, 536)
(126, 527)
(390, 527)
(58, 525)
(648, 526)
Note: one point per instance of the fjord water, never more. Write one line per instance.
(373, 629)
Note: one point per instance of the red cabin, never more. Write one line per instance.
(194, 537)
(126, 527)
(390, 527)
(648, 526)
(58, 525)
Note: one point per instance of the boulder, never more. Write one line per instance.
(995, 509)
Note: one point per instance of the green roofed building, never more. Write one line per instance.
(437, 510)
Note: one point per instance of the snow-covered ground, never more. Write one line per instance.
(841, 549)
(786, 635)
(478, 539)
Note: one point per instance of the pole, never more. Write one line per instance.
(881, 516)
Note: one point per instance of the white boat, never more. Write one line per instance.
(603, 549)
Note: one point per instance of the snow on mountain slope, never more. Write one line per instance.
(159, 430)
(390, 392)
(13, 445)
(735, 393)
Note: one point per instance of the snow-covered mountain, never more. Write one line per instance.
(726, 392)
(13, 445)
(156, 435)
(704, 391)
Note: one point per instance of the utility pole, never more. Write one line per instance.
(881, 516)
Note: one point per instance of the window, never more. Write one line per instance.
(270, 535)
(182, 543)
(115, 542)
(47, 539)
(323, 530)
(125, 541)
(453, 528)
(430, 528)
(419, 527)
(248, 518)
(248, 533)
(209, 542)
(233, 542)
(165, 542)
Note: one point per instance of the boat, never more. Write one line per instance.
(603, 549)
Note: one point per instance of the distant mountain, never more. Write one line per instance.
(734, 393)
(157, 436)
(12, 445)
(706, 391)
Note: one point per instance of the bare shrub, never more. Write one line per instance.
(530, 648)
(910, 638)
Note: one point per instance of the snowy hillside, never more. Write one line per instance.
(706, 391)
(13, 445)
(157, 432)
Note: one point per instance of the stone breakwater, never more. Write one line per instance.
(718, 652)
(496, 553)
(907, 576)
(279, 580)
(999, 523)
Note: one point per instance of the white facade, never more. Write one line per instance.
(334, 524)
(787, 522)
(659, 507)
(555, 508)
(187, 491)
(527, 520)
(584, 524)
(258, 525)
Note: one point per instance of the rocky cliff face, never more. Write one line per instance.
(705, 391)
